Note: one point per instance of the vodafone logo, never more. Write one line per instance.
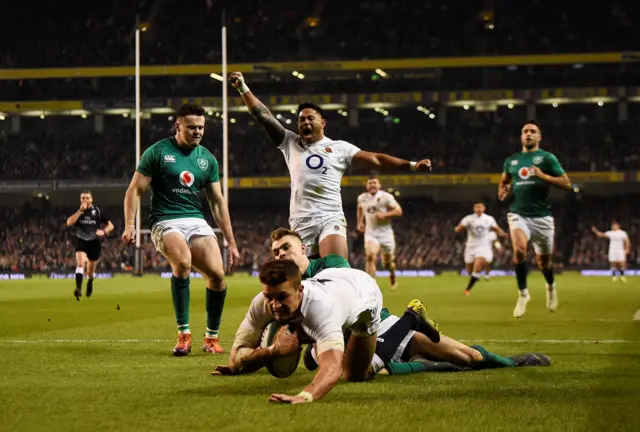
(524, 173)
(187, 178)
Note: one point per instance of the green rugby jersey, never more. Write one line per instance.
(531, 194)
(177, 176)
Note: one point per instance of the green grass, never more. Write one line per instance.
(86, 365)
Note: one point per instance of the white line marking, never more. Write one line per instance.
(117, 341)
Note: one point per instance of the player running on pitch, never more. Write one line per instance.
(479, 249)
(176, 169)
(492, 238)
(619, 248)
(87, 222)
(375, 210)
(316, 166)
(529, 174)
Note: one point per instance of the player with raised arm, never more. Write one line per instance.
(529, 174)
(479, 249)
(316, 166)
(176, 169)
(88, 233)
(375, 210)
(619, 248)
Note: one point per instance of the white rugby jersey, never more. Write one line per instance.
(380, 202)
(316, 171)
(478, 229)
(616, 240)
(332, 301)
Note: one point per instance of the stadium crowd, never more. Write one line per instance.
(68, 150)
(34, 238)
(264, 31)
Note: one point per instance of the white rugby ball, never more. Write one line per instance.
(281, 366)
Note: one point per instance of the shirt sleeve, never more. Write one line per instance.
(148, 162)
(608, 234)
(104, 218)
(493, 221)
(465, 221)
(289, 138)
(214, 174)
(336, 261)
(554, 167)
(391, 201)
(506, 166)
(255, 321)
(322, 324)
(348, 151)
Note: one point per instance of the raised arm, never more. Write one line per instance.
(139, 185)
(275, 130)
(384, 162)
(597, 232)
(220, 213)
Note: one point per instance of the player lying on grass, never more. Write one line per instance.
(317, 309)
(405, 337)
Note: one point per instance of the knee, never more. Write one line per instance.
(371, 257)
(215, 280)
(544, 262)
(182, 267)
(519, 254)
(361, 376)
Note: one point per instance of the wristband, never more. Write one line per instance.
(412, 166)
(306, 396)
(243, 88)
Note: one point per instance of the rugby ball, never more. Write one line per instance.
(282, 366)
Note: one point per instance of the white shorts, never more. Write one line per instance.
(385, 326)
(368, 321)
(471, 253)
(540, 231)
(187, 227)
(313, 230)
(384, 241)
(617, 256)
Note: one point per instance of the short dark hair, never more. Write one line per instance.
(277, 272)
(533, 122)
(311, 105)
(190, 108)
(281, 232)
(86, 192)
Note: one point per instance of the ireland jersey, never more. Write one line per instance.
(330, 261)
(531, 194)
(177, 176)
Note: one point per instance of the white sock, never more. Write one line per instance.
(79, 270)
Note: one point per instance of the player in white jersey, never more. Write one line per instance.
(619, 247)
(492, 238)
(316, 166)
(478, 248)
(375, 210)
(319, 309)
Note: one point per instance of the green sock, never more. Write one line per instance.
(181, 297)
(215, 304)
(491, 360)
(395, 368)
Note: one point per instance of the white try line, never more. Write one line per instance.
(142, 341)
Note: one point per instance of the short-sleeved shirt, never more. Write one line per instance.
(177, 176)
(316, 171)
(381, 201)
(478, 229)
(90, 221)
(531, 194)
(616, 240)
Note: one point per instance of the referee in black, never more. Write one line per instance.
(88, 232)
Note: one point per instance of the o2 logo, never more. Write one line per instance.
(315, 162)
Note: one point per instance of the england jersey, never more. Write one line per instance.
(334, 300)
(381, 201)
(478, 229)
(316, 171)
(616, 243)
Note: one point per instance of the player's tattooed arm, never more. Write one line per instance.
(275, 130)
(504, 187)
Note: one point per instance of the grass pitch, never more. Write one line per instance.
(105, 363)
